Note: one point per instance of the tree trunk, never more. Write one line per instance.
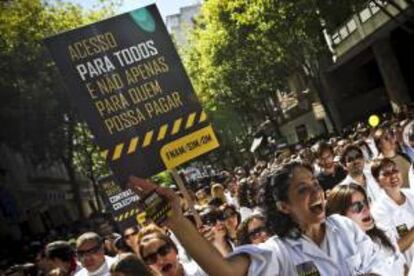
(68, 161)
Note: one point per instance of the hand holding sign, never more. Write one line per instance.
(144, 187)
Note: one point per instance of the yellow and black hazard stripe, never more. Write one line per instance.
(153, 136)
(126, 215)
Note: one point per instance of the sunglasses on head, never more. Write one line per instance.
(353, 155)
(358, 206)
(253, 234)
(161, 251)
(90, 251)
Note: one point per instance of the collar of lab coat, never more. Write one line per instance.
(390, 204)
(309, 248)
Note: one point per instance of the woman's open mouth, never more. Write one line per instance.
(367, 219)
(317, 207)
(166, 268)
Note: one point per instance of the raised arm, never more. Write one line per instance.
(203, 252)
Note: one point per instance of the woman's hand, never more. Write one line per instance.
(203, 252)
(143, 187)
(207, 232)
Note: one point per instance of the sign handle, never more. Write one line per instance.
(187, 197)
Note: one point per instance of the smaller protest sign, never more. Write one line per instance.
(128, 209)
(122, 203)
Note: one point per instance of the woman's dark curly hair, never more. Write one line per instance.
(245, 194)
(276, 189)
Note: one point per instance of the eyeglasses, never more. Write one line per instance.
(126, 236)
(90, 251)
(352, 156)
(254, 234)
(358, 206)
(388, 173)
(161, 251)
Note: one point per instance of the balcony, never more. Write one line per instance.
(362, 25)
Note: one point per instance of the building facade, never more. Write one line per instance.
(179, 25)
(372, 53)
(35, 198)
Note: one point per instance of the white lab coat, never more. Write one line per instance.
(388, 216)
(393, 260)
(268, 259)
(347, 251)
(103, 270)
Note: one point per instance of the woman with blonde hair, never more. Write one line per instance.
(217, 191)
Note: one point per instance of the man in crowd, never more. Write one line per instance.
(130, 236)
(353, 160)
(331, 173)
(387, 145)
(62, 258)
(90, 252)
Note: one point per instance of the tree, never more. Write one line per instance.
(33, 106)
(243, 52)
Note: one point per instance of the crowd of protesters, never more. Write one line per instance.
(337, 206)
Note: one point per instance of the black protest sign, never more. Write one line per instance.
(128, 209)
(122, 203)
(126, 78)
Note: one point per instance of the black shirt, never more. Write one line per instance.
(328, 181)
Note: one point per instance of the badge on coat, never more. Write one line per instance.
(307, 269)
(402, 230)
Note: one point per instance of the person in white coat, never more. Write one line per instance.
(352, 201)
(394, 211)
(90, 252)
(353, 160)
(308, 243)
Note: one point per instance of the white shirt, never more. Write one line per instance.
(103, 270)
(347, 251)
(230, 199)
(245, 212)
(371, 144)
(393, 260)
(372, 188)
(411, 273)
(183, 256)
(389, 216)
(193, 269)
(268, 259)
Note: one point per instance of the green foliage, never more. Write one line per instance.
(33, 106)
(87, 158)
(163, 179)
(242, 52)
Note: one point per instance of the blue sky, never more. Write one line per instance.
(166, 7)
